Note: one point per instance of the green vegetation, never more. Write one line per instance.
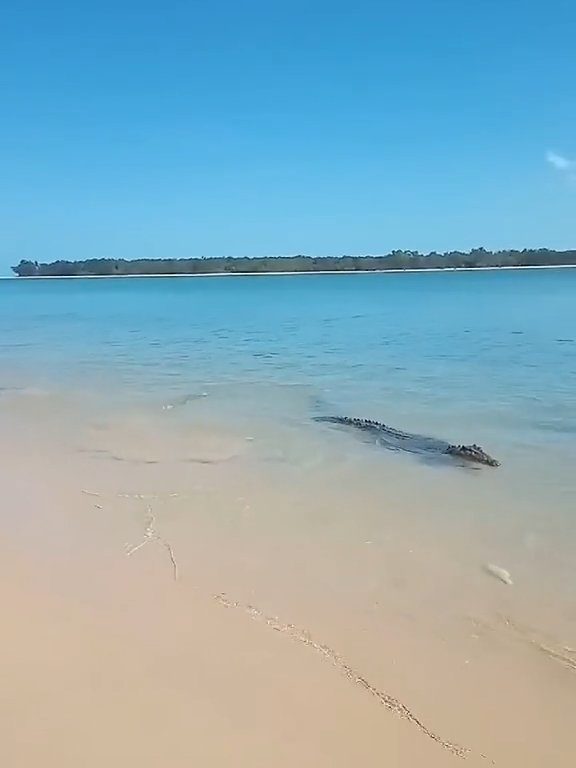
(478, 257)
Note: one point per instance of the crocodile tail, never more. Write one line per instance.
(349, 421)
(334, 419)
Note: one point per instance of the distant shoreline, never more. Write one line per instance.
(285, 273)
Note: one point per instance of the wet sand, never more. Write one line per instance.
(177, 595)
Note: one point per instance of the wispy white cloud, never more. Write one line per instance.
(562, 164)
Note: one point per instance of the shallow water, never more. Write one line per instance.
(206, 388)
(486, 357)
(460, 346)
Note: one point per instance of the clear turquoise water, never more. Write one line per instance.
(487, 352)
(487, 357)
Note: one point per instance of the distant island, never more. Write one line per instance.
(395, 260)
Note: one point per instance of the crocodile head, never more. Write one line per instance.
(472, 453)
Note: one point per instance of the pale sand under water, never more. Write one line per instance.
(270, 617)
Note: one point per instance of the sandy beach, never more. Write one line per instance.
(303, 272)
(170, 599)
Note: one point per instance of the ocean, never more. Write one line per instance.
(467, 355)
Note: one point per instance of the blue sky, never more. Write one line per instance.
(174, 129)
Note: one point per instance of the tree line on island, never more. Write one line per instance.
(397, 260)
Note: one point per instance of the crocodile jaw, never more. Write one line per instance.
(473, 453)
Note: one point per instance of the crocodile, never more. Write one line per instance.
(395, 439)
